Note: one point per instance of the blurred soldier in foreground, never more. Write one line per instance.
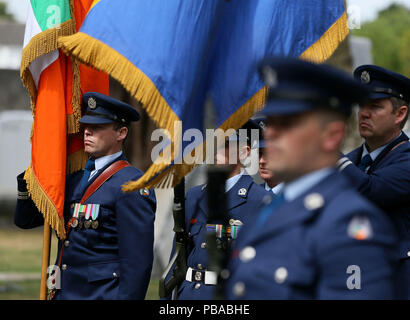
(108, 251)
(319, 239)
(380, 167)
(244, 199)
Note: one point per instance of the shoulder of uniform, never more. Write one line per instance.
(131, 172)
(194, 193)
(258, 189)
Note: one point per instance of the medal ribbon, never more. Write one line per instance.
(95, 211)
(219, 229)
(88, 210)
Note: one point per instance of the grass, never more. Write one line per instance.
(20, 252)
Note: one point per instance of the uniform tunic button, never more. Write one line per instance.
(239, 289)
(197, 286)
(203, 245)
(408, 253)
(115, 275)
(66, 243)
(267, 199)
(199, 266)
(64, 267)
(281, 274)
(247, 254)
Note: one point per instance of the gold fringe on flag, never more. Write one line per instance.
(324, 47)
(39, 45)
(97, 54)
(76, 161)
(44, 203)
(73, 126)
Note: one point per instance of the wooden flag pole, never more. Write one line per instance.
(45, 260)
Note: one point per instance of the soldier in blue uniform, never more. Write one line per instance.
(108, 251)
(270, 181)
(244, 199)
(380, 167)
(319, 239)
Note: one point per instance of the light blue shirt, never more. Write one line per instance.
(374, 154)
(103, 161)
(276, 189)
(295, 188)
(232, 181)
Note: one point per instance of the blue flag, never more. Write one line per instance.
(173, 55)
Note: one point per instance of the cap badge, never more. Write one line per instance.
(365, 77)
(92, 103)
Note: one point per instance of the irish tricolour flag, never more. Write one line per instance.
(55, 85)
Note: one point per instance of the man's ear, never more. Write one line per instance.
(334, 134)
(244, 153)
(122, 133)
(400, 114)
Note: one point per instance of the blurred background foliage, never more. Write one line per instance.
(390, 36)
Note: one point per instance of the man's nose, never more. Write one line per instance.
(87, 131)
(364, 112)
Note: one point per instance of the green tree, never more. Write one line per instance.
(404, 52)
(3, 12)
(390, 36)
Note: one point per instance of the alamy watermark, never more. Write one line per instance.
(354, 281)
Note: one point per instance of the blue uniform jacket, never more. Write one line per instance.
(387, 184)
(240, 206)
(113, 261)
(304, 250)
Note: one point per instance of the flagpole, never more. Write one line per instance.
(45, 260)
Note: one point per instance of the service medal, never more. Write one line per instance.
(87, 224)
(74, 223)
(94, 224)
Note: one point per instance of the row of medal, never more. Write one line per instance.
(231, 230)
(89, 212)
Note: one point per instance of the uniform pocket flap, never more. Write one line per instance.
(195, 229)
(103, 270)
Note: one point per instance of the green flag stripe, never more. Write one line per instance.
(50, 13)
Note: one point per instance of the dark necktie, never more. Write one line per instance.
(89, 166)
(365, 162)
(266, 212)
